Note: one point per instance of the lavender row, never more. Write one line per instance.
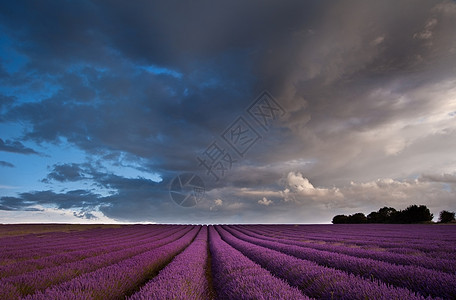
(418, 279)
(365, 231)
(71, 240)
(315, 280)
(41, 279)
(237, 277)
(444, 265)
(117, 280)
(184, 278)
(33, 247)
(94, 248)
(396, 234)
(422, 247)
(441, 237)
(32, 239)
(66, 258)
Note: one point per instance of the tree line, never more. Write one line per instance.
(389, 215)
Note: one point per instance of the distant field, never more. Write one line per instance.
(23, 229)
(227, 262)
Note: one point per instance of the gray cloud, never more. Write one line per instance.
(15, 147)
(65, 172)
(445, 178)
(71, 199)
(84, 215)
(6, 164)
(5, 101)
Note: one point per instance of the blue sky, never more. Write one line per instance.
(103, 105)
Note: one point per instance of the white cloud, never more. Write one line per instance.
(399, 194)
(265, 201)
(56, 215)
(256, 192)
(366, 196)
(217, 203)
(395, 146)
(301, 186)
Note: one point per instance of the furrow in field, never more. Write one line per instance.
(184, 277)
(418, 279)
(91, 248)
(119, 279)
(444, 265)
(315, 280)
(393, 235)
(237, 277)
(39, 280)
(418, 246)
(40, 247)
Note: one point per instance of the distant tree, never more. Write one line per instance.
(374, 217)
(340, 219)
(414, 214)
(387, 214)
(383, 215)
(446, 216)
(357, 218)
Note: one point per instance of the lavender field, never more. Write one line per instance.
(228, 262)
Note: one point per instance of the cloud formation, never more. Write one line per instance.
(15, 147)
(6, 164)
(65, 172)
(265, 201)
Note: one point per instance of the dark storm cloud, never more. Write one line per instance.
(5, 102)
(6, 164)
(15, 147)
(142, 114)
(68, 200)
(368, 87)
(136, 199)
(171, 33)
(54, 33)
(65, 172)
(80, 172)
(363, 81)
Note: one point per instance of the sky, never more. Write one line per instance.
(225, 112)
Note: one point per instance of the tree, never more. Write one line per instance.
(387, 214)
(383, 215)
(374, 217)
(340, 219)
(414, 214)
(357, 218)
(446, 216)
